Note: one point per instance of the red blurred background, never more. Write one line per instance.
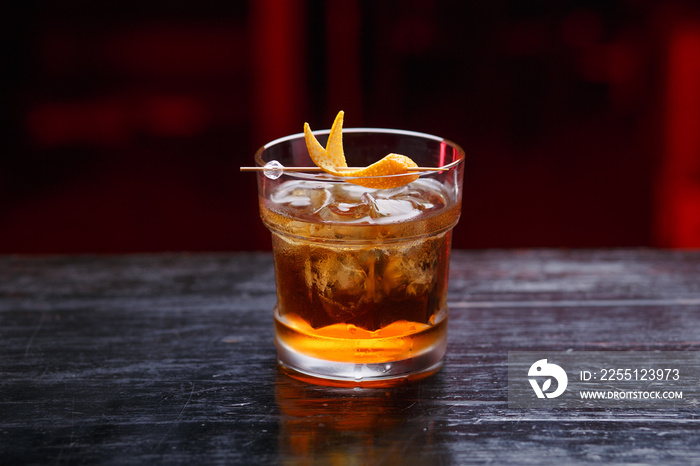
(124, 123)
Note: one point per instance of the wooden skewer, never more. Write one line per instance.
(319, 169)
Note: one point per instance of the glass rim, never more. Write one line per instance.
(328, 177)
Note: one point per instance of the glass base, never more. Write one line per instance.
(326, 372)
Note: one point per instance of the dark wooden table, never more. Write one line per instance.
(169, 359)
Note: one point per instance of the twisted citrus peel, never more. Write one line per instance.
(331, 159)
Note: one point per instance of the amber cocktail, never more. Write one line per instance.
(361, 273)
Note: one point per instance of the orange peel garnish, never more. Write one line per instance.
(392, 164)
(331, 159)
(332, 156)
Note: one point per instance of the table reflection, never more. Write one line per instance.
(333, 425)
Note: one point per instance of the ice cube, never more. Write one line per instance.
(406, 202)
(346, 211)
(342, 205)
(409, 275)
(393, 208)
(303, 196)
(341, 284)
(424, 194)
(349, 203)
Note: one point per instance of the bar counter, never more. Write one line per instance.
(169, 359)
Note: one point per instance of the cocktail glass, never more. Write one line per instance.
(361, 273)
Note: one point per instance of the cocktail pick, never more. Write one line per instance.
(273, 169)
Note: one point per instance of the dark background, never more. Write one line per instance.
(124, 123)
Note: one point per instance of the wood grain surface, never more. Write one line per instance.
(169, 359)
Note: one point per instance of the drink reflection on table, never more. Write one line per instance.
(333, 425)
